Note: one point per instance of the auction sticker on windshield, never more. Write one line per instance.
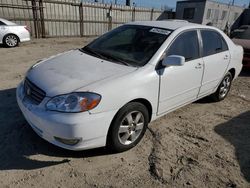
(160, 31)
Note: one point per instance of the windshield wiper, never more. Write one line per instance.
(116, 59)
(91, 51)
(103, 55)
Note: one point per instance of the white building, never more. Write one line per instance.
(208, 12)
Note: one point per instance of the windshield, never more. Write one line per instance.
(129, 44)
(241, 34)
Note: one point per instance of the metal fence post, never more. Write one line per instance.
(152, 14)
(81, 19)
(110, 18)
(42, 18)
(34, 11)
(133, 14)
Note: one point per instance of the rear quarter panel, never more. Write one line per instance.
(236, 53)
(19, 31)
(236, 59)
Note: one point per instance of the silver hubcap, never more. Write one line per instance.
(225, 87)
(131, 127)
(11, 40)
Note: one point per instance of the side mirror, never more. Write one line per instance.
(173, 60)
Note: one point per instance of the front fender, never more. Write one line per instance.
(140, 84)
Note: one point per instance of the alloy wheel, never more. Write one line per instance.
(11, 40)
(225, 86)
(131, 127)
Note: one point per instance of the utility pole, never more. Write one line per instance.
(128, 3)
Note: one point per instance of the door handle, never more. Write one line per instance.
(198, 66)
(226, 57)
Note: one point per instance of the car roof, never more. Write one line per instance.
(167, 24)
(7, 22)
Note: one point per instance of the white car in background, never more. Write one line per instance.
(106, 93)
(11, 34)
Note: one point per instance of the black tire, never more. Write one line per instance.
(11, 40)
(219, 95)
(115, 139)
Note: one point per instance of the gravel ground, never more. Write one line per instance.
(204, 144)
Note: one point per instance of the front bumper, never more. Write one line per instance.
(24, 39)
(90, 129)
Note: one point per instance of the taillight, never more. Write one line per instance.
(26, 27)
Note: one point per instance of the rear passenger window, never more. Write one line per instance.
(1, 23)
(185, 45)
(213, 43)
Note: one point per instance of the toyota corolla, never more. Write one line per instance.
(107, 92)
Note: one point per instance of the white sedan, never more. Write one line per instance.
(11, 34)
(106, 93)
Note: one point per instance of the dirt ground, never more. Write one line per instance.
(204, 144)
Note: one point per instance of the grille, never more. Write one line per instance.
(32, 92)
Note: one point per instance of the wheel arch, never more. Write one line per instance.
(232, 71)
(147, 104)
(18, 38)
(143, 101)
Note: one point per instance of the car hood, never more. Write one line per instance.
(243, 42)
(73, 70)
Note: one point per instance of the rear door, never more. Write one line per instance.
(216, 58)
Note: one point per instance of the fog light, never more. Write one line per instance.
(70, 142)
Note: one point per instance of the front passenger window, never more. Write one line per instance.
(185, 45)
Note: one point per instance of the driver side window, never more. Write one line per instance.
(186, 45)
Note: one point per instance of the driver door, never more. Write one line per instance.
(180, 85)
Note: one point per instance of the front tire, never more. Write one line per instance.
(128, 127)
(223, 88)
(11, 40)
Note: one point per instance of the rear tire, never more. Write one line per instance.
(223, 88)
(128, 127)
(11, 40)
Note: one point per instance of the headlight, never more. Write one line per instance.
(74, 102)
